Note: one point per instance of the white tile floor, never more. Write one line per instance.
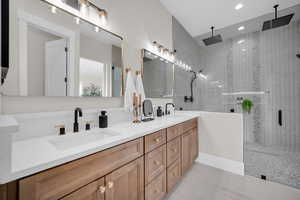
(207, 183)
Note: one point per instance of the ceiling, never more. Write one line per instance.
(197, 16)
(251, 25)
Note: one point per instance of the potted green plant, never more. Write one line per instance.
(247, 105)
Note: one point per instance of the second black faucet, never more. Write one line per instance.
(77, 112)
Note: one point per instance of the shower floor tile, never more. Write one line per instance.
(278, 166)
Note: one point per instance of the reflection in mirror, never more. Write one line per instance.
(158, 76)
(61, 55)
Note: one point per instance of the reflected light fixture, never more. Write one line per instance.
(239, 6)
(53, 9)
(241, 28)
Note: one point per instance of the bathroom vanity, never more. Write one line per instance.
(145, 167)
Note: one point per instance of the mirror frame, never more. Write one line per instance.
(143, 52)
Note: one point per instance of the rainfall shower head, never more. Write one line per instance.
(278, 21)
(213, 39)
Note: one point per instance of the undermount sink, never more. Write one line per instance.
(77, 139)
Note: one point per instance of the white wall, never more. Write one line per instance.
(221, 135)
(139, 21)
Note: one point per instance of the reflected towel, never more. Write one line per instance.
(129, 90)
(140, 87)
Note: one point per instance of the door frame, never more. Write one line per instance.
(26, 19)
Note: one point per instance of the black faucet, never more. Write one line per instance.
(76, 124)
(166, 108)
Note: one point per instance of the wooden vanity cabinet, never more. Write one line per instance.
(143, 169)
(56, 183)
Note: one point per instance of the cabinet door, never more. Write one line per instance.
(186, 152)
(126, 183)
(189, 149)
(194, 144)
(3, 190)
(92, 191)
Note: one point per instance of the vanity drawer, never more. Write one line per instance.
(57, 182)
(174, 131)
(155, 140)
(155, 163)
(188, 125)
(173, 174)
(173, 151)
(157, 189)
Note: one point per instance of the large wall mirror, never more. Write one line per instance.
(158, 76)
(53, 52)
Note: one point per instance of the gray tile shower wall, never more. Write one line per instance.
(259, 61)
(188, 51)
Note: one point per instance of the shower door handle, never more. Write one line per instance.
(280, 117)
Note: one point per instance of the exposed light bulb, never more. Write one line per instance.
(241, 28)
(203, 76)
(53, 9)
(239, 6)
(77, 20)
(241, 41)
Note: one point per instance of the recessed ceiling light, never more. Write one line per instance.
(241, 41)
(239, 6)
(241, 28)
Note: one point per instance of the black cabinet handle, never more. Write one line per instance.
(280, 117)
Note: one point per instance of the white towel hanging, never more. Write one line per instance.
(139, 86)
(129, 91)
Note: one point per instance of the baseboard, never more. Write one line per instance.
(221, 163)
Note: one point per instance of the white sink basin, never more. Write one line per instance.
(77, 139)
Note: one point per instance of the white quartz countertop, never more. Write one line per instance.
(37, 154)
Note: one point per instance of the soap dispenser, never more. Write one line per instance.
(103, 120)
(159, 112)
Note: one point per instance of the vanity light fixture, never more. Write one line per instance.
(84, 3)
(102, 13)
(203, 76)
(239, 6)
(97, 29)
(241, 28)
(77, 20)
(241, 41)
(53, 9)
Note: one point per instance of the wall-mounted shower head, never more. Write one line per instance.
(298, 55)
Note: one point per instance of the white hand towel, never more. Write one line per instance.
(140, 87)
(129, 91)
